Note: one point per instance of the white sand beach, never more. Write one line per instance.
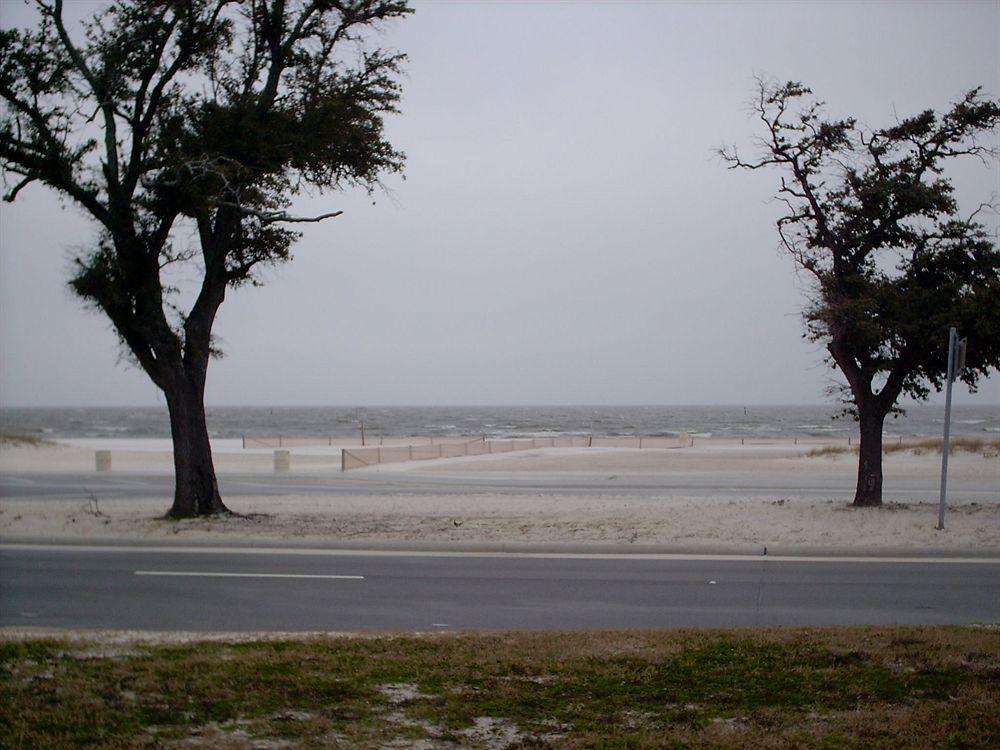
(714, 495)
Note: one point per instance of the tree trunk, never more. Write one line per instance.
(196, 491)
(869, 490)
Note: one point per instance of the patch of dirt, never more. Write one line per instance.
(492, 734)
(226, 737)
(401, 692)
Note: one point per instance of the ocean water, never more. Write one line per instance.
(496, 421)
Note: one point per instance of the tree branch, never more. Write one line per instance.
(273, 217)
(103, 99)
(12, 194)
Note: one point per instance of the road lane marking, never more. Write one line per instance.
(200, 574)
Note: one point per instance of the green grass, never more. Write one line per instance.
(809, 688)
(986, 448)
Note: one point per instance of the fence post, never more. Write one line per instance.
(244, 442)
(279, 441)
(440, 450)
(640, 442)
(378, 454)
(343, 459)
(411, 451)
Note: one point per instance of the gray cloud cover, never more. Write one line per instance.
(564, 233)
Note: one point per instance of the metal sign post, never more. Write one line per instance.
(956, 363)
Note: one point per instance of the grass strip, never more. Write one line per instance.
(901, 687)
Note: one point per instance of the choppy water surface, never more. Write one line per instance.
(496, 421)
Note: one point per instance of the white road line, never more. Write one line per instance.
(243, 575)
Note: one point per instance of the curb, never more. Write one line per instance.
(541, 548)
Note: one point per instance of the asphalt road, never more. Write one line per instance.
(230, 590)
(15, 486)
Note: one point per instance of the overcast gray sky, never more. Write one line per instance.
(564, 233)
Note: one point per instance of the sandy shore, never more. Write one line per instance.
(714, 495)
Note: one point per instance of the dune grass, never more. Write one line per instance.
(32, 440)
(929, 687)
(987, 448)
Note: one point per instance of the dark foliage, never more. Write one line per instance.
(200, 115)
(890, 261)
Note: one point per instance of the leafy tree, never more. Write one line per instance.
(889, 262)
(184, 128)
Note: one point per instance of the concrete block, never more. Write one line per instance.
(282, 461)
(102, 459)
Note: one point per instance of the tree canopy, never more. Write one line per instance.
(890, 261)
(185, 128)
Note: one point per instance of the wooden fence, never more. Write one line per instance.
(355, 458)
